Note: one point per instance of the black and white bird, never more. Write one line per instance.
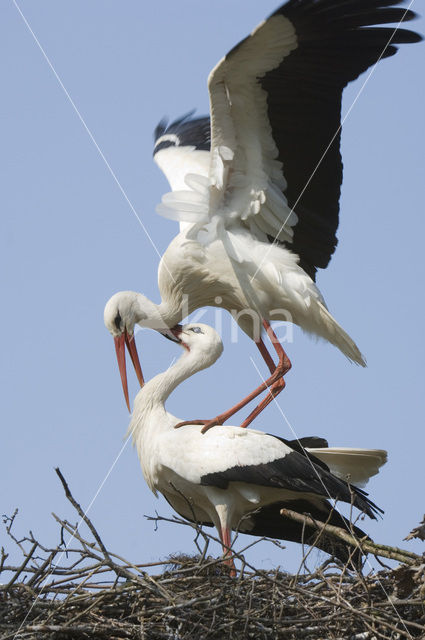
(256, 186)
(239, 479)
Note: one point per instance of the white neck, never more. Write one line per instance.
(171, 314)
(149, 412)
(161, 386)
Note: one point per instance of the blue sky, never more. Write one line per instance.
(70, 239)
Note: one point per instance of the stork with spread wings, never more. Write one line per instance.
(256, 186)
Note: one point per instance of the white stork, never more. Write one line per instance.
(239, 479)
(256, 187)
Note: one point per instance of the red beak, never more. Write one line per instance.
(120, 342)
(131, 346)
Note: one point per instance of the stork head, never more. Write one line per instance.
(201, 341)
(122, 312)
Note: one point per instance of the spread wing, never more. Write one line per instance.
(275, 167)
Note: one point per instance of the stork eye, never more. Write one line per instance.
(196, 330)
(118, 320)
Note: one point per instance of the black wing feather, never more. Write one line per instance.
(269, 522)
(294, 472)
(307, 441)
(194, 132)
(336, 44)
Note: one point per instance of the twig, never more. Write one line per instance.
(22, 567)
(119, 570)
(86, 597)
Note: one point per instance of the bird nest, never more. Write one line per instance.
(82, 590)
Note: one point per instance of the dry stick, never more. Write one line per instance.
(22, 567)
(9, 530)
(312, 546)
(73, 531)
(119, 570)
(83, 516)
(3, 558)
(68, 577)
(199, 531)
(73, 592)
(256, 572)
(372, 618)
(89, 546)
(103, 631)
(195, 525)
(39, 572)
(261, 623)
(394, 553)
(82, 613)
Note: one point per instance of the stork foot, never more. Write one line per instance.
(207, 424)
(186, 422)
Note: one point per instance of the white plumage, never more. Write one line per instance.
(222, 477)
(256, 187)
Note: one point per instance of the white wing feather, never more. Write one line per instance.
(251, 180)
(354, 465)
(245, 180)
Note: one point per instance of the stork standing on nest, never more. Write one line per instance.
(256, 186)
(240, 479)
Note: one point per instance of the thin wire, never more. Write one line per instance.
(359, 93)
(80, 117)
(329, 495)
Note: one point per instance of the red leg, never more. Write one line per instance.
(278, 347)
(279, 385)
(266, 355)
(273, 383)
(227, 554)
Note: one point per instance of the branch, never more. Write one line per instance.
(393, 553)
